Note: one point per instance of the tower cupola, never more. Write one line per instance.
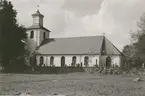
(37, 19)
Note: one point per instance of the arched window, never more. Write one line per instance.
(51, 61)
(32, 34)
(108, 62)
(41, 60)
(74, 60)
(96, 63)
(62, 61)
(86, 61)
(44, 35)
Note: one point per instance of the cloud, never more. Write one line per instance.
(54, 18)
(115, 18)
(82, 7)
(67, 18)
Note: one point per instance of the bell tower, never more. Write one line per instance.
(37, 32)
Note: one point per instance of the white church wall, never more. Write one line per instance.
(57, 61)
(68, 60)
(92, 59)
(116, 60)
(47, 33)
(37, 60)
(41, 36)
(36, 35)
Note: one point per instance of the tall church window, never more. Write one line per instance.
(44, 35)
(108, 62)
(51, 61)
(32, 34)
(86, 61)
(96, 63)
(74, 59)
(41, 61)
(62, 61)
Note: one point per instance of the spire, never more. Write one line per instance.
(38, 9)
(38, 13)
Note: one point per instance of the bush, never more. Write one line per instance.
(106, 71)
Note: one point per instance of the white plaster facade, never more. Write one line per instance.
(93, 60)
(38, 35)
(117, 60)
(38, 29)
(68, 60)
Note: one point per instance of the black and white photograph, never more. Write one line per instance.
(72, 47)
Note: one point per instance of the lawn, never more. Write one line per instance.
(74, 84)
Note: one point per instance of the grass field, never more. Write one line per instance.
(74, 84)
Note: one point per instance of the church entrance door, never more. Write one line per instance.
(108, 62)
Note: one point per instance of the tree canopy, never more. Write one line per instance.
(12, 35)
(139, 38)
(136, 51)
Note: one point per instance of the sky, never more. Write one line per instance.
(73, 18)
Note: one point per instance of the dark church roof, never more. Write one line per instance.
(77, 45)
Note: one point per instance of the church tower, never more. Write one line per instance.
(37, 32)
(37, 19)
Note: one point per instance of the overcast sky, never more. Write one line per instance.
(69, 18)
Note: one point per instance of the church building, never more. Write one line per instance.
(85, 51)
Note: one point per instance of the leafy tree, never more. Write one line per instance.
(12, 35)
(135, 53)
(129, 51)
(139, 37)
(131, 60)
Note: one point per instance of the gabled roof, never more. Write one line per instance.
(38, 27)
(38, 14)
(75, 45)
(110, 48)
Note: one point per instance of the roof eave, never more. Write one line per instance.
(30, 28)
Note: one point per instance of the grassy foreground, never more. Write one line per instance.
(74, 84)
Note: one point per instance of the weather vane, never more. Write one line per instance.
(38, 6)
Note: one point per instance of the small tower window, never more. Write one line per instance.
(32, 34)
(44, 35)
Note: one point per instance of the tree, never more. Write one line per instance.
(131, 59)
(129, 51)
(12, 35)
(139, 38)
